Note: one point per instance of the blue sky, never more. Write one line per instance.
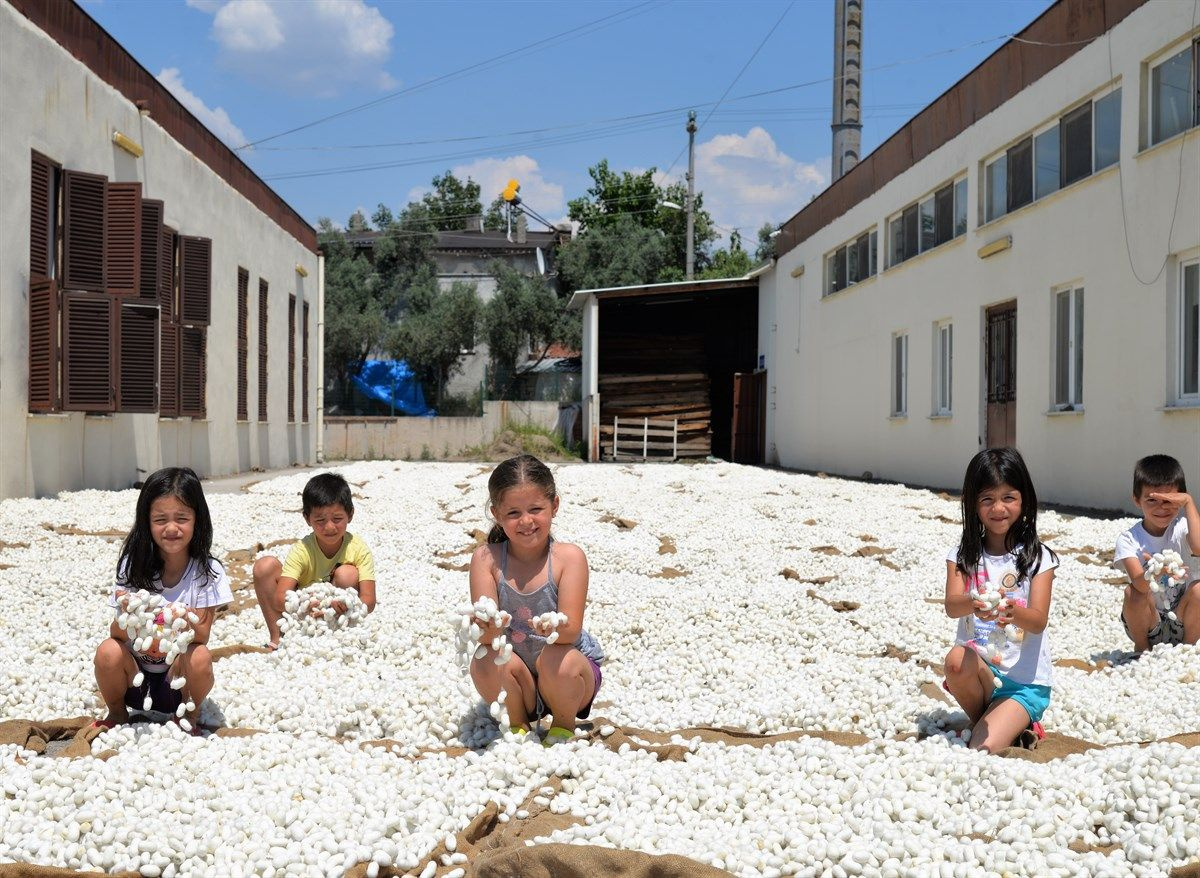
(251, 69)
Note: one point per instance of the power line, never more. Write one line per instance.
(569, 34)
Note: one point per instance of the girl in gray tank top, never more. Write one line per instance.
(562, 678)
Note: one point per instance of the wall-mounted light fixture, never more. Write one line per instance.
(797, 271)
(301, 270)
(997, 246)
(130, 146)
(143, 107)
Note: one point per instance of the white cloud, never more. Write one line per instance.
(216, 120)
(493, 174)
(747, 180)
(311, 47)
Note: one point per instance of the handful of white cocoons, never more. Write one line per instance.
(548, 621)
(471, 648)
(310, 610)
(1001, 635)
(1165, 565)
(147, 618)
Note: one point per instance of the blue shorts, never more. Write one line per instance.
(1034, 698)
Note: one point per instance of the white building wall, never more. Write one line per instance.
(829, 358)
(55, 105)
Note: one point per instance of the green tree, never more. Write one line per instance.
(437, 327)
(452, 202)
(731, 262)
(613, 194)
(766, 243)
(523, 315)
(357, 222)
(621, 252)
(496, 219)
(355, 316)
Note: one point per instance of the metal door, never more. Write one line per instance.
(1001, 375)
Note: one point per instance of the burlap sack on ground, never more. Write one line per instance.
(28, 870)
(584, 861)
(39, 736)
(1191, 870)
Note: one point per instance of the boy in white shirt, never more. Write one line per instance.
(1170, 521)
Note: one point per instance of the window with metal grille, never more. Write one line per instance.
(262, 349)
(291, 384)
(243, 343)
(304, 367)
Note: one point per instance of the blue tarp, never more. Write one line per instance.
(393, 383)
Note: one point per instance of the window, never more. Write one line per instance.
(262, 349)
(1175, 94)
(291, 384)
(1106, 137)
(899, 375)
(944, 364)
(1082, 141)
(1189, 330)
(852, 262)
(928, 223)
(1046, 159)
(1068, 349)
(243, 343)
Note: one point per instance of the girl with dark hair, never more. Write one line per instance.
(168, 552)
(999, 550)
(529, 574)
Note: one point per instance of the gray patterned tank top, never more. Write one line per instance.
(523, 606)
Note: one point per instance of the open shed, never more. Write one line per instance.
(671, 371)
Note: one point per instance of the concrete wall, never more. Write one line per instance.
(829, 367)
(412, 438)
(55, 105)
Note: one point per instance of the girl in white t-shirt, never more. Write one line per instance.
(1000, 549)
(166, 552)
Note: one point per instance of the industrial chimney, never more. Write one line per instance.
(847, 85)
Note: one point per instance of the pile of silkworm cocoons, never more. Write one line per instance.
(1000, 636)
(151, 621)
(374, 748)
(548, 622)
(310, 611)
(1165, 567)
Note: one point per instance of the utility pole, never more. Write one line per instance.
(691, 196)
(847, 85)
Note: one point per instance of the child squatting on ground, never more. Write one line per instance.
(528, 573)
(1170, 522)
(328, 554)
(998, 583)
(166, 552)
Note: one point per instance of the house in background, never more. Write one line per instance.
(159, 303)
(1018, 264)
(466, 256)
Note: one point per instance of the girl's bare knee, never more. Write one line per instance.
(109, 654)
(955, 661)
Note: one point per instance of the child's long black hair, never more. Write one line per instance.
(140, 563)
(988, 469)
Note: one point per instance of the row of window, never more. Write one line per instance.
(1079, 143)
(120, 303)
(1067, 355)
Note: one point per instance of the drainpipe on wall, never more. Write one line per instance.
(320, 359)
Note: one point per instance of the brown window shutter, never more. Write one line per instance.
(291, 359)
(243, 343)
(192, 376)
(195, 281)
(166, 274)
(262, 349)
(151, 248)
(139, 358)
(83, 231)
(88, 343)
(123, 238)
(304, 366)
(41, 232)
(168, 370)
(43, 345)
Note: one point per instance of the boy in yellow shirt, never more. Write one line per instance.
(328, 554)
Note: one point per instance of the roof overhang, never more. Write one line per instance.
(676, 288)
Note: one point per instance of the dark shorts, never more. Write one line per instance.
(158, 687)
(541, 709)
